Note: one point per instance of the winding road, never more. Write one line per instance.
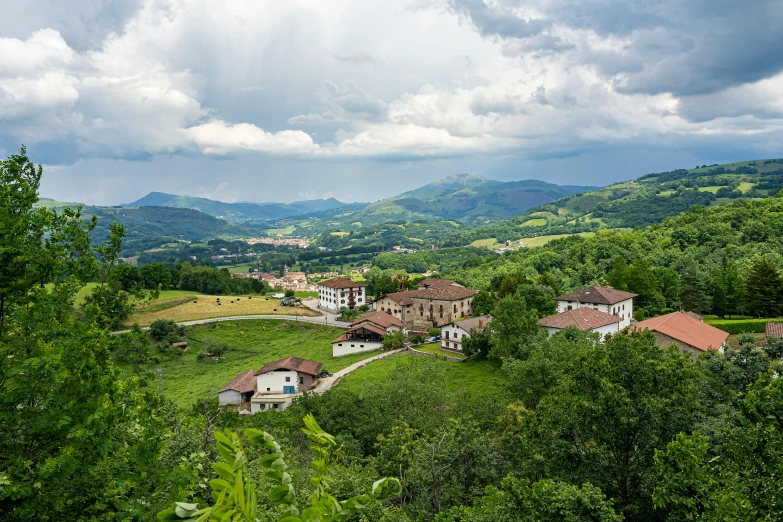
(325, 320)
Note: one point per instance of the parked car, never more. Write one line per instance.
(434, 339)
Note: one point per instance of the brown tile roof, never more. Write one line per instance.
(774, 329)
(294, 364)
(341, 282)
(584, 318)
(382, 319)
(597, 295)
(445, 293)
(435, 282)
(403, 298)
(685, 329)
(473, 323)
(370, 327)
(245, 382)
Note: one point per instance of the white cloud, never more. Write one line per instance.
(218, 137)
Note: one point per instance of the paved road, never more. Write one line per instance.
(326, 383)
(303, 318)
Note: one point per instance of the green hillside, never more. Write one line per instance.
(641, 202)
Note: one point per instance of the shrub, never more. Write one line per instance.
(433, 331)
(416, 339)
(743, 325)
(162, 328)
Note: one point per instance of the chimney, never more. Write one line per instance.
(481, 323)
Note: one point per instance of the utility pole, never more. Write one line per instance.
(159, 371)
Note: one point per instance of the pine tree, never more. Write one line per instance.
(763, 287)
(692, 295)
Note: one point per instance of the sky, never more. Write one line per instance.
(283, 100)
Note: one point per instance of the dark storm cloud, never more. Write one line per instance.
(685, 47)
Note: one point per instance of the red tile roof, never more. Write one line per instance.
(435, 282)
(584, 318)
(473, 323)
(685, 329)
(294, 364)
(382, 319)
(370, 327)
(245, 382)
(403, 298)
(443, 293)
(597, 295)
(341, 282)
(774, 329)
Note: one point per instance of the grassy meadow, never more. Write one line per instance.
(435, 348)
(206, 307)
(253, 343)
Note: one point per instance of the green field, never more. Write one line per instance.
(435, 348)
(281, 231)
(487, 243)
(713, 189)
(666, 193)
(253, 344)
(476, 376)
(536, 222)
(340, 234)
(744, 187)
(543, 240)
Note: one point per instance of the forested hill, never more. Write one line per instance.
(644, 201)
(704, 260)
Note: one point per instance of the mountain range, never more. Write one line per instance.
(240, 212)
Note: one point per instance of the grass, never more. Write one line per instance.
(475, 376)
(744, 187)
(666, 193)
(340, 234)
(281, 231)
(537, 222)
(253, 344)
(543, 240)
(712, 188)
(434, 348)
(487, 243)
(206, 307)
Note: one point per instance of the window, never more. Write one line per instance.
(288, 379)
(268, 389)
(455, 308)
(301, 380)
(361, 346)
(353, 345)
(275, 406)
(569, 307)
(447, 334)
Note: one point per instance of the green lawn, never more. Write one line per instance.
(281, 231)
(253, 344)
(435, 348)
(487, 243)
(713, 189)
(543, 240)
(666, 193)
(745, 187)
(476, 376)
(537, 222)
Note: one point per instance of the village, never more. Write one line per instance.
(441, 311)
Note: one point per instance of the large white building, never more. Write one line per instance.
(602, 298)
(340, 292)
(583, 318)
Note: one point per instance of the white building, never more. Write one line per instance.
(366, 334)
(602, 298)
(279, 382)
(583, 318)
(452, 334)
(239, 390)
(340, 292)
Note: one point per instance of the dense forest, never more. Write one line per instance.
(581, 430)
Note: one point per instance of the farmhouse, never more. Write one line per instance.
(340, 292)
(602, 298)
(239, 390)
(585, 319)
(366, 334)
(452, 334)
(278, 382)
(433, 307)
(687, 333)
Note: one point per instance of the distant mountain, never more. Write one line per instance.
(644, 201)
(241, 212)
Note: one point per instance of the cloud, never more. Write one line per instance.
(359, 58)
(218, 137)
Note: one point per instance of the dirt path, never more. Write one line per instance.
(327, 382)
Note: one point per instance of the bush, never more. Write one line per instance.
(162, 329)
(743, 325)
(433, 331)
(416, 339)
(393, 341)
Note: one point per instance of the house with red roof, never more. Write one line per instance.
(687, 333)
(601, 298)
(341, 292)
(278, 382)
(366, 334)
(239, 390)
(583, 318)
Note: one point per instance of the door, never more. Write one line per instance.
(289, 389)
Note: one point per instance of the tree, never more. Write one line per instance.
(479, 342)
(514, 326)
(763, 288)
(154, 276)
(618, 275)
(692, 295)
(540, 298)
(393, 340)
(727, 289)
(509, 284)
(483, 303)
(549, 280)
(235, 494)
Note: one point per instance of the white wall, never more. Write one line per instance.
(256, 407)
(276, 380)
(349, 347)
(456, 335)
(610, 328)
(229, 397)
(333, 299)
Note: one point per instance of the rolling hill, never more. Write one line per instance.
(646, 200)
(240, 212)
